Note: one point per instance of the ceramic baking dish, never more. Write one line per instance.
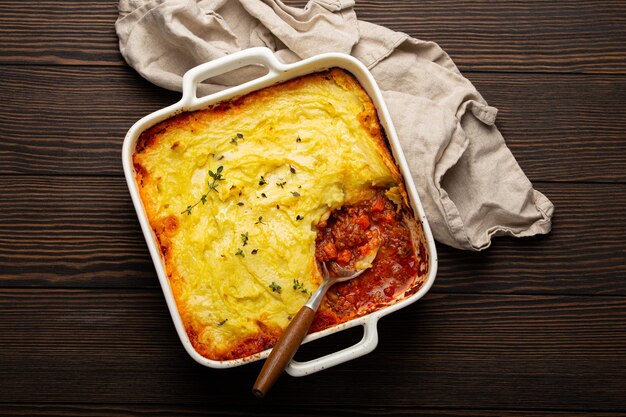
(277, 72)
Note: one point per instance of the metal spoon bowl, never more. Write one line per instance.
(339, 275)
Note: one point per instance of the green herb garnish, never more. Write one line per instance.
(295, 194)
(221, 323)
(275, 287)
(292, 169)
(244, 238)
(254, 251)
(281, 184)
(298, 286)
(260, 220)
(240, 253)
(217, 176)
(298, 140)
(262, 181)
(237, 137)
(299, 217)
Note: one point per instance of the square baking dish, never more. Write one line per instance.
(277, 73)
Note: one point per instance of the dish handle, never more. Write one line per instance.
(367, 344)
(251, 56)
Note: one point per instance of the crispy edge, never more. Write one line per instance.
(167, 227)
(368, 118)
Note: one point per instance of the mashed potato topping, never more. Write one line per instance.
(234, 194)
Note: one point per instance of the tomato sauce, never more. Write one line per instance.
(350, 233)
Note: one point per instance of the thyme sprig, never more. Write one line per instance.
(217, 176)
(298, 286)
(275, 287)
(237, 137)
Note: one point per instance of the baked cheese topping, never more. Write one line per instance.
(234, 193)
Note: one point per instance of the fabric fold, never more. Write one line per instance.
(470, 184)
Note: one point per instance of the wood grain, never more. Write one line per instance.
(136, 410)
(525, 36)
(561, 128)
(529, 327)
(73, 120)
(529, 35)
(72, 231)
(453, 350)
(53, 32)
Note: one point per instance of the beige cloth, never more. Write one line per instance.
(469, 182)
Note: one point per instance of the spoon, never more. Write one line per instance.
(290, 341)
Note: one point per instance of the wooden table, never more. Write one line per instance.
(531, 325)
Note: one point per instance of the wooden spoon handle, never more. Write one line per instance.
(283, 351)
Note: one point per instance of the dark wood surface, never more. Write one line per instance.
(530, 326)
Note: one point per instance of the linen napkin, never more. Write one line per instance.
(468, 181)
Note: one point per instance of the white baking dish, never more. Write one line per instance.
(277, 72)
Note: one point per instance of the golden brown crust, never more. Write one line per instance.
(368, 118)
(166, 226)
